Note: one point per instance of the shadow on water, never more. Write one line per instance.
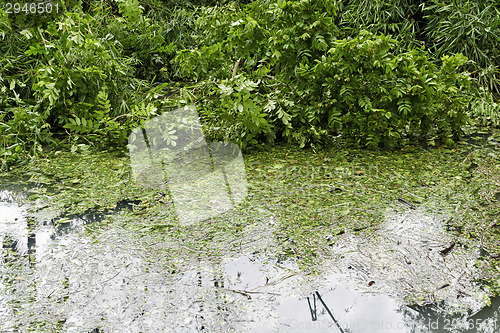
(16, 229)
(72, 222)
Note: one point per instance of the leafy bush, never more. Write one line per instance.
(359, 86)
(80, 69)
(82, 74)
(22, 131)
(486, 111)
(24, 14)
(471, 28)
(265, 42)
(237, 112)
(444, 26)
(380, 97)
(401, 19)
(259, 71)
(266, 36)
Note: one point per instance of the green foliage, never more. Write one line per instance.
(267, 36)
(444, 26)
(298, 71)
(366, 87)
(276, 36)
(77, 66)
(471, 28)
(212, 28)
(130, 9)
(237, 111)
(82, 74)
(25, 14)
(267, 42)
(23, 131)
(380, 97)
(486, 111)
(400, 19)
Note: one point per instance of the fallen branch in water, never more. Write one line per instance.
(445, 251)
(247, 293)
(409, 204)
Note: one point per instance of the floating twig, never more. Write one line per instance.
(247, 293)
(443, 286)
(446, 250)
(409, 204)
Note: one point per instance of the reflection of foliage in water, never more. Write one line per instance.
(435, 318)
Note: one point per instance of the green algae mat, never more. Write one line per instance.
(420, 225)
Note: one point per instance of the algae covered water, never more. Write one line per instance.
(336, 241)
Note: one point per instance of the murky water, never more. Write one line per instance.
(57, 277)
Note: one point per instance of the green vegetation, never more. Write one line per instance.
(348, 92)
(305, 81)
(259, 72)
(315, 198)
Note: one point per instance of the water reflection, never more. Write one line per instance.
(339, 309)
(434, 319)
(13, 224)
(16, 230)
(118, 284)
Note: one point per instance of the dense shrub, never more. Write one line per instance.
(366, 87)
(444, 26)
(380, 97)
(471, 28)
(259, 71)
(90, 74)
(401, 19)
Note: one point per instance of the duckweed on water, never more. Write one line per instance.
(301, 206)
(315, 196)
